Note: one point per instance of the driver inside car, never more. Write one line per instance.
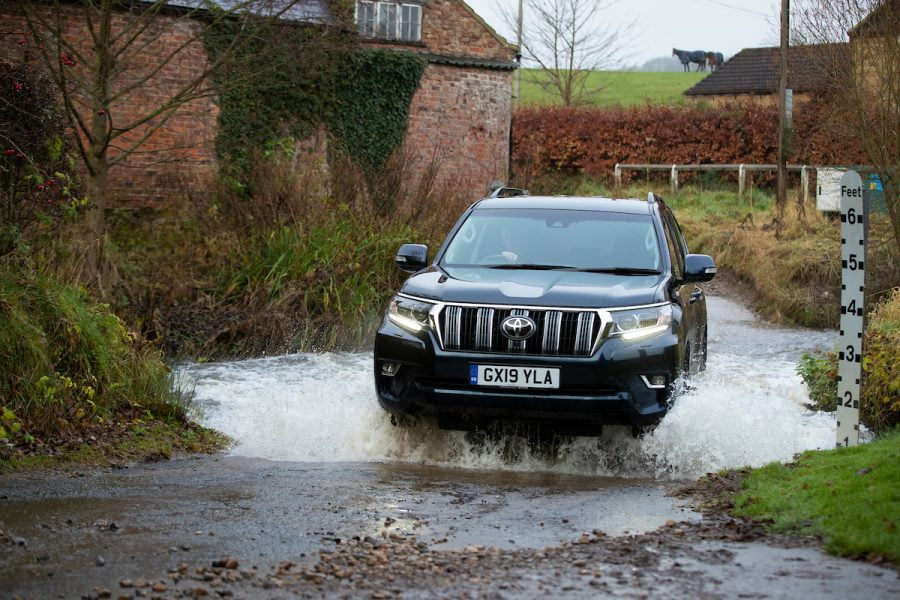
(511, 246)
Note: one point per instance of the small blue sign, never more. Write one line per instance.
(875, 194)
(473, 374)
(875, 183)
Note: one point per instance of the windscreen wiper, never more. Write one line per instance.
(531, 267)
(620, 271)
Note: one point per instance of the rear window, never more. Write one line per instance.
(571, 238)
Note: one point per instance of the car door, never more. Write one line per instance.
(686, 295)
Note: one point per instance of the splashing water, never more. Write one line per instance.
(746, 409)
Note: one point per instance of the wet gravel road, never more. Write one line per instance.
(282, 529)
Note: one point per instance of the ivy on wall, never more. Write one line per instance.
(373, 104)
(302, 78)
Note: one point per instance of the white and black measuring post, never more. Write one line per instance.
(854, 224)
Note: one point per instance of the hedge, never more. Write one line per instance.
(592, 140)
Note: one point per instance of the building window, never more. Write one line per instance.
(389, 20)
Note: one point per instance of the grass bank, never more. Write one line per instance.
(616, 88)
(75, 384)
(880, 405)
(847, 496)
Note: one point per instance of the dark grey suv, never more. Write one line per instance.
(573, 312)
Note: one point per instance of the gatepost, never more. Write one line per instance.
(854, 224)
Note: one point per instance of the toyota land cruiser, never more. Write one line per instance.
(572, 312)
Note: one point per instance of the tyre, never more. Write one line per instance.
(701, 359)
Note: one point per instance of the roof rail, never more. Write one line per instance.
(507, 192)
(651, 198)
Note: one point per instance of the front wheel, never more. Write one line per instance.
(701, 363)
(686, 363)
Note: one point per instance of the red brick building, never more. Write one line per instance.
(459, 117)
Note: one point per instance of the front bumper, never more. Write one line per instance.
(604, 388)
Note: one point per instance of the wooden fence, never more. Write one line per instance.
(742, 170)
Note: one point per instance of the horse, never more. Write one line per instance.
(714, 60)
(686, 57)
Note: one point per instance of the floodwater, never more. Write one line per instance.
(317, 461)
(748, 408)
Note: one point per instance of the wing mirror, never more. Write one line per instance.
(698, 268)
(412, 257)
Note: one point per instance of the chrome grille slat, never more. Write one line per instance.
(552, 325)
(452, 326)
(484, 329)
(560, 332)
(583, 341)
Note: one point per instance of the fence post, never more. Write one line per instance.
(804, 183)
(673, 180)
(617, 174)
(741, 180)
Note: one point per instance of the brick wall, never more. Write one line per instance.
(449, 26)
(460, 117)
(177, 162)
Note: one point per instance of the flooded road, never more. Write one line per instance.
(747, 409)
(319, 477)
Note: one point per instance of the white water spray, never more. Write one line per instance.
(747, 409)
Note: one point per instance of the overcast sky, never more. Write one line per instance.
(724, 26)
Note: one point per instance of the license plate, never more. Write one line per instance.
(516, 377)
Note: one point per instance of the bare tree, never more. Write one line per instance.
(862, 76)
(105, 55)
(567, 40)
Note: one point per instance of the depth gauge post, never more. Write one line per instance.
(854, 225)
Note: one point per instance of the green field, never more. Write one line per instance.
(622, 88)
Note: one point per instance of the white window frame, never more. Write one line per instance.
(372, 28)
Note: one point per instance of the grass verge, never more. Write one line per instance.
(848, 496)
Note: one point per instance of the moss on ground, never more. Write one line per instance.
(132, 442)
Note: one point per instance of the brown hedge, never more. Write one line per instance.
(592, 140)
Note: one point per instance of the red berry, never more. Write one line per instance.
(51, 182)
(10, 151)
(101, 112)
(19, 86)
(40, 188)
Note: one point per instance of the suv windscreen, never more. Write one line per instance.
(551, 238)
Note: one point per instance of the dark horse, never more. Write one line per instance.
(714, 60)
(687, 57)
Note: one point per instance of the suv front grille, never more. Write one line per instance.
(559, 332)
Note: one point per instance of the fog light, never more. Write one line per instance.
(654, 382)
(389, 369)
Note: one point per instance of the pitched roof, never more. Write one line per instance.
(756, 71)
(883, 19)
(303, 11)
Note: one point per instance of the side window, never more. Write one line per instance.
(679, 236)
(676, 250)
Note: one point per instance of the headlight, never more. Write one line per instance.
(642, 322)
(409, 314)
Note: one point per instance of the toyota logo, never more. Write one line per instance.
(518, 328)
